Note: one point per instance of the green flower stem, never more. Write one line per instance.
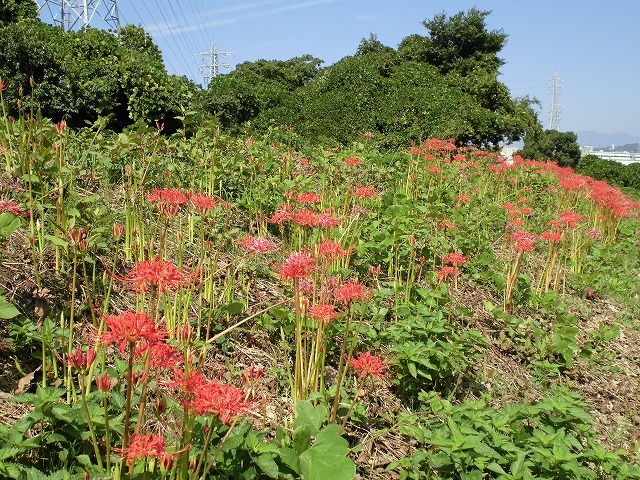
(92, 430)
(130, 386)
(353, 403)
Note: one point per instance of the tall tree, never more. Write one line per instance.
(561, 147)
(460, 43)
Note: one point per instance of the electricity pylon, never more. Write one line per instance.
(555, 110)
(70, 14)
(211, 68)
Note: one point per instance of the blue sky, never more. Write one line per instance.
(592, 44)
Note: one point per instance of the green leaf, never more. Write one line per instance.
(9, 452)
(57, 241)
(494, 467)
(290, 458)
(267, 464)
(309, 415)
(234, 308)
(328, 457)
(301, 438)
(8, 224)
(7, 310)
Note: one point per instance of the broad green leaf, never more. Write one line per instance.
(57, 241)
(267, 464)
(310, 415)
(8, 224)
(328, 458)
(9, 452)
(7, 310)
(290, 458)
(301, 438)
(234, 308)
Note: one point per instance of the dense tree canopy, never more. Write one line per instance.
(551, 144)
(83, 75)
(255, 87)
(12, 11)
(460, 43)
(442, 84)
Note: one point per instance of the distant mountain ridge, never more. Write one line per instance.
(605, 140)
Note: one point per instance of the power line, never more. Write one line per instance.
(171, 32)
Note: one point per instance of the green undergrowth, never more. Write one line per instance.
(208, 306)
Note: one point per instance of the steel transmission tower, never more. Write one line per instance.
(211, 68)
(555, 110)
(70, 14)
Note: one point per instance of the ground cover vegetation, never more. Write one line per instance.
(215, 301)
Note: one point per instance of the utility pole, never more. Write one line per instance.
(211, 68)
(70, 14)
(555, 110)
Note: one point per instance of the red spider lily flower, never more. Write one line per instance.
(304, 161)
(162, 355)
(326, 220)
(455, 258)
(160, 274)
(594, 233)
(526, 210)
(78, 238)
(462, 199)
(363, 192)
(131, 327)
(350, 291)
(186, 382)
(447, 272)
(307, 287)
(304, 218)
(297, 265)
(118, 230)
(281, 215)
(375, 271)
(82, 361)
(523, 241)
(367, 364)
(225, 401)
(331, 250)
(202, 203)
(258, 245)
(60, 127)
(105, 383)
(308, 198)
(570, 219)
(368, 135)
(9, 206)
(323, 312)
(514, 224)
(414, 150)
(352, 161)
(144, 446)
(168, 201)
(3, 85)
(552, 236)
(252, 373)
(446, 225)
